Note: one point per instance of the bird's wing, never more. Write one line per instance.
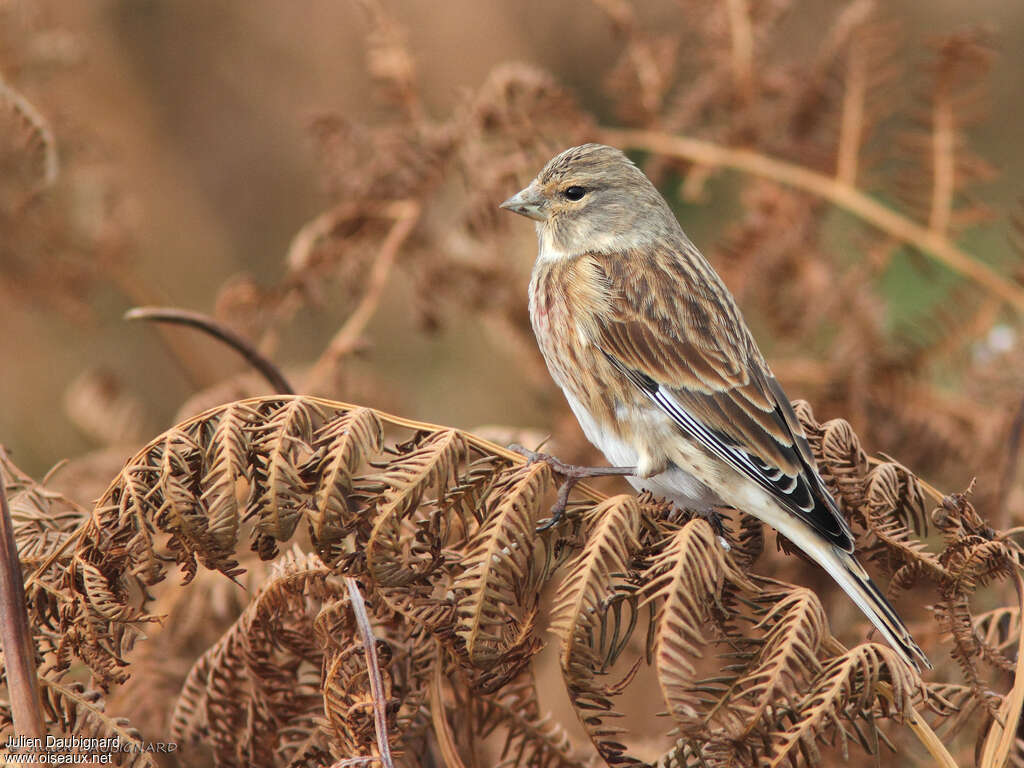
(672, 328)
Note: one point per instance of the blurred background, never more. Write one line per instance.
(202, 155)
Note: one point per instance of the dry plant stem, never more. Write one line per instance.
(852, 124)
(943, 161)
(1003, 731)
(924, 732)
(19, 651)
(406, 214)
(442, 729)
(837, 192)
(742, 37)
(380, 717)
(312, 231)
(206, 323)
(182, 353)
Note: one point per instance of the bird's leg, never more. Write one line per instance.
(572, 473)
(714, 519)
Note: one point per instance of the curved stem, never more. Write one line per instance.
(15, 634)
(849, 198)
(208, 325)
(1002, 734)
(380, 716)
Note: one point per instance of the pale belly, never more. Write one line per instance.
(689, 476)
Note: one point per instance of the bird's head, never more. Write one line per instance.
(591, 198)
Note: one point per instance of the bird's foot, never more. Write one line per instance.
(714, 519)
(572, 473)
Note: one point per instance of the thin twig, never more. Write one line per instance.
(380, 716)
(928, 738)
(300, 250)
(1000, 738)
(741, 36)
(1009, 472)
(943, 160)
(406, 214)
(851, 126)
(210, 326)
(442, 729)
(15, 636)
(849, 198)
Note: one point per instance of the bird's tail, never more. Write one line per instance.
(855, 581)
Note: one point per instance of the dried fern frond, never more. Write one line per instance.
(245, 684)
(408, 658)
(37, 137)
(43, 521)
(340, 446)
(77, 711)
(586, 617)
(999, 628)
(531, 738)
(685, 581)
(793, 626)
(962, 61)
(439, 527)
(104, 409)
(895, 501)
(500, 584)
(580, 603)
(847, 688)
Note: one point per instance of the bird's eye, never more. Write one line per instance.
(574, 193)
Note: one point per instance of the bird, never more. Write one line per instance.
(661, 371)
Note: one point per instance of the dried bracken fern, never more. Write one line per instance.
(845, 690)
(500, 584)
(586, 616)
(786, 657)
(686, 579)
(439, 529)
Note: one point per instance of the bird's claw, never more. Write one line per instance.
(572, 473)
(714, 519)
(558, 508)
(533, 457)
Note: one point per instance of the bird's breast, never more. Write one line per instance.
(611, 411)
(557, 316)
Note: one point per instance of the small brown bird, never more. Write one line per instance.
(663, 374)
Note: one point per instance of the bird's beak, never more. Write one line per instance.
(527, 202)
